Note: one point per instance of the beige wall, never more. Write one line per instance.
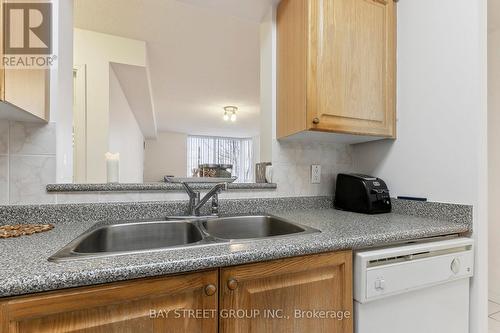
(166, 155)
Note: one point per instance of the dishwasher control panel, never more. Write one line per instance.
(394, 270)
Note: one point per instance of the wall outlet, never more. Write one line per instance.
(315, 174)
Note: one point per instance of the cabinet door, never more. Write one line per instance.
(282, 295)
(351, 66)
(126, 307)
(29, 90)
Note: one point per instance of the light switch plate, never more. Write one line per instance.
(315, 174)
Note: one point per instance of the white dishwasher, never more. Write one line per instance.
(419, 287)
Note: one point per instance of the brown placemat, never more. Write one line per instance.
(7, 231)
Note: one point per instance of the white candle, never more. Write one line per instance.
(113, 167)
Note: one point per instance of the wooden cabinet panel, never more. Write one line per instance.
(26, 92)
(278, 296)
(118, 307)
(281, 288)
(291, 67)
(351, 66)
(29, 90)
(344, 53)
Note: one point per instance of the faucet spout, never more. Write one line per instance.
(195, 203)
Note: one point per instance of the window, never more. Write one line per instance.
(221, 150)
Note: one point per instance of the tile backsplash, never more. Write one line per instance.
(292, 167)
(32, 139)
(292, 164)
(27, 162)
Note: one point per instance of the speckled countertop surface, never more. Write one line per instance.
(25, 268)
(150, 187)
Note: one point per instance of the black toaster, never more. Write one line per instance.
(362, 194)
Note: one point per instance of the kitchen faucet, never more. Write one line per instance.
(195, 203)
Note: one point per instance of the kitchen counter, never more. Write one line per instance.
(25, 268)
(151, 187)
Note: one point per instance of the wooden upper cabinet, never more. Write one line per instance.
(282, 295)
(24, 93)
(336, 67)
(28, 90)
(124, 307)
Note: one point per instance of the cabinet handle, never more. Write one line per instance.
(315, 120)
(210, 289)
(232, 284)
(383, 2)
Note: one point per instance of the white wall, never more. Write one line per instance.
(267, 76)
(494, 163)
(125, 136)
(96, 51)
(167, 155)
(440, 152)
(437, 105)
(61, 94)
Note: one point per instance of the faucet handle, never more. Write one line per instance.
(189, 190)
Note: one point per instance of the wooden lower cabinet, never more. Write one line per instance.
(288, 295)
(295, 295)
(127, 307)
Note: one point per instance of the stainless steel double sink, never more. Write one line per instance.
(148, 236)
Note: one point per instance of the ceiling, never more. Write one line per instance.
(203, 55)
(253, 10)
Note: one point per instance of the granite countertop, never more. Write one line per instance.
(134, 187)
(25, 268)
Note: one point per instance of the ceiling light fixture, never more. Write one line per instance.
(230, 113)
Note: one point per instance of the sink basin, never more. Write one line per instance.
(148, 236)
(139, 236)
(130, 238)
(248, 227)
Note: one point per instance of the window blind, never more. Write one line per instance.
(222, 150)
